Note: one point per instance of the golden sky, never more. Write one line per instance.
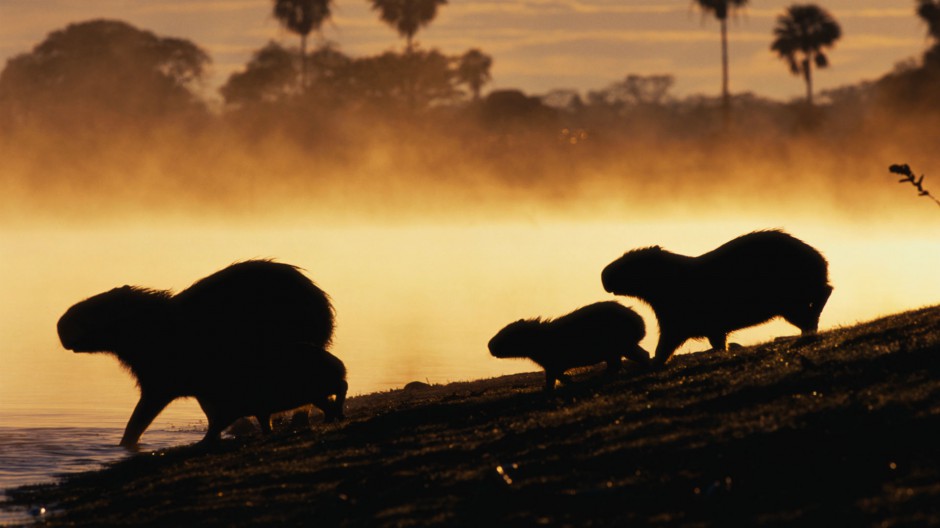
(537, 45)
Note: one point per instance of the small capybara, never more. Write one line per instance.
(249, 340)
(597, 333)
(747, 281)
(301, 373)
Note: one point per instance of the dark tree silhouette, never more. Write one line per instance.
(272, 76)
(929, 10)
(302, 17)
(721, 9)
(474, 70)
(800, 35)
(329, 70)
(416, 79)
(269, 76)
(101, 71)
(407, 16)
(634, 90)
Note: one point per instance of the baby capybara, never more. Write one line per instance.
(597, 333)
(301, 373)
(749, 280)
(249, 340)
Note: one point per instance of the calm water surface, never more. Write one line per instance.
(413, 302)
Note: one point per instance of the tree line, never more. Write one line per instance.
(103, 72)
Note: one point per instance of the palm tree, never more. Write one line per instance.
(799, 36)
(929, 10)
(721, 8)
(302, 17)
(407, 16)
(474, 70)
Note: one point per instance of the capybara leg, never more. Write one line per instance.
(144, 413)
(613, 365)
(264, 420)
(217, 422)
(340, 402)
(638, 354)
(564, 378)
(719, 342)
(549, 381)
(333, 408)
(214, 432)
(328, 407)
(668, 343)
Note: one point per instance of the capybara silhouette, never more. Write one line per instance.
(747, 281)
(288, 376)
(597, 333)
(249, 340)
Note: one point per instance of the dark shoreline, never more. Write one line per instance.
(842, 431)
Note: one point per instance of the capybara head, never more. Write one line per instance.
(104, 322)
(516, 339)
(636, 269)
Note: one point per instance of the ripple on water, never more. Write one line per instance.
(38, 455)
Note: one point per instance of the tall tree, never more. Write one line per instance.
(474, 70)
(721, 9)
(407, 16)
(406, 81)
(269, 76)
(929, 10)
(799, 36)
(302, 17)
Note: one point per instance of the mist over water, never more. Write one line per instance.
(413, 301)
(427, 246)
(423, 267)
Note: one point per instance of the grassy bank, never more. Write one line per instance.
(841, 431)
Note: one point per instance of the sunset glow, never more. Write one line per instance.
(469, 262)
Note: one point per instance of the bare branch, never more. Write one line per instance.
(918, 183)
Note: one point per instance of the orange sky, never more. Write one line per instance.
(537, 45)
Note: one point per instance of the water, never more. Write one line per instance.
(413, 302)
(36, 455)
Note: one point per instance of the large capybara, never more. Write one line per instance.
(749, 280)
(597, 333)
(249, 340)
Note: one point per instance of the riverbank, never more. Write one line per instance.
(842, 430)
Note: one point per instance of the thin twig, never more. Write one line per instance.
(909, 176)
